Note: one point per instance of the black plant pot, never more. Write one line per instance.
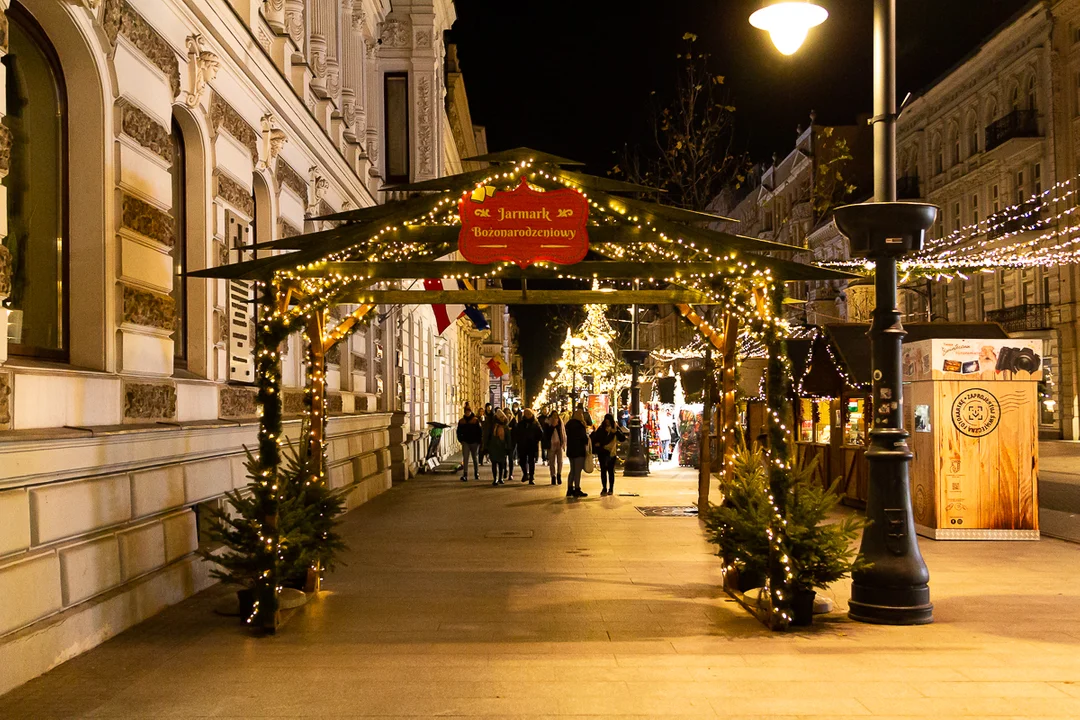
(750, 579)
(802, 608)
(245, 599)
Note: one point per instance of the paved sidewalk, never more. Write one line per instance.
(465, 600)
(1059, 488)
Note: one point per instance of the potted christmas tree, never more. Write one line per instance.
(739, 525)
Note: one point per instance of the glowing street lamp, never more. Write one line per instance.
(788, 22)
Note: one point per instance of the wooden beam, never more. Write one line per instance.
(345, 327)
(602, 269)
(518, 297)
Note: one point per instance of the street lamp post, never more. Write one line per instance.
(894, 589)
(637, 463)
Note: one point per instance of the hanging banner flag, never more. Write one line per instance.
(445, 315)
(523, 225)
(498, 366)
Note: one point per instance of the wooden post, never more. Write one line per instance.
(705, 440)
(730, 410)
(316, 332)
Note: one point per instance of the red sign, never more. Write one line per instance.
(523, 226)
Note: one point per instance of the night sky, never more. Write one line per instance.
(574, 79)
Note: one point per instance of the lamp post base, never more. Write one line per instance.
(914, 608)
(637, 464)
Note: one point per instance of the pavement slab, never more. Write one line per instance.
(463, 600)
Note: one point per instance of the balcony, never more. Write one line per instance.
(907, 188)
(1017, 124)
(1033, 316)
(1022, 218)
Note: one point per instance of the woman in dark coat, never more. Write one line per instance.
(605, 440)
(527, 437)
(577, 441)
(469, 434)
(499, 444)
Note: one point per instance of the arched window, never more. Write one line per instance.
(1032, 95)
(179, 250)
(1014, 97)
(36, 193)
(939, 154)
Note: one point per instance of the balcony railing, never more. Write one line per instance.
(1018, 123)
(907, 188)
(1029, 316)
(1026, 216)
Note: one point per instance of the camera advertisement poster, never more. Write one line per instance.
(944, 359)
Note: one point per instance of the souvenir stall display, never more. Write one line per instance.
(690, 436)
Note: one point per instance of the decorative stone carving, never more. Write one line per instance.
(5, 272)
(324, 209)
(5, 400)
(286, 231)
(221, 328)
(222, 115)
(287, 177)
(294, 22)
(235, 194)
(395, 33)
(91, 5)
(149, 309)
(145, 130)
(424, 133)
(5, 150)
(222, 253)
(334, 403)
(319, 185)
(119, 18)
(333, 77)
(147, 220)
(273, 138)
(264, 40)
(274, 10)
(423, 39)
(202, 69)
(359, 17)
(293, 403)
(149, 401)
(333, 355)
(237, 402)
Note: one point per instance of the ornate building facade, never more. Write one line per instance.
(142, 139)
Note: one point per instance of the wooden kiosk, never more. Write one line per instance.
(971, 407)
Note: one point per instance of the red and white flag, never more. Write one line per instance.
(445, 315)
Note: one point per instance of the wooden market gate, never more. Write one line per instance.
(667, 253)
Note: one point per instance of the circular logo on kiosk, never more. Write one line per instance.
(976, 413)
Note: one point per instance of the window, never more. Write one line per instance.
(995, 198)
(396, 102)
(956, 216)
(1036, 178)
(1032, 95)
(1019, 186)
(939, 156)
(36, 194)
(1015, 98)
(975, 209)
(855, 421)
(955, 135)
(179, 250)
(973, 134)
(1046, 288)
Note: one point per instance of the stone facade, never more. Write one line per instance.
(139, 431)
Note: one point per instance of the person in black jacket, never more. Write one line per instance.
(605, 440)
(527, 437)
(577, 440)
(545, 443)
(469, 434)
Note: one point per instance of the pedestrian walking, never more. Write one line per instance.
(577, 441)
(527, 437)
(555, 436)
(499, 445)
(487, 422)
(469, 434)
(605, 441)
(663, 433)
(511, 423)
(545, 441)
(676, 436)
